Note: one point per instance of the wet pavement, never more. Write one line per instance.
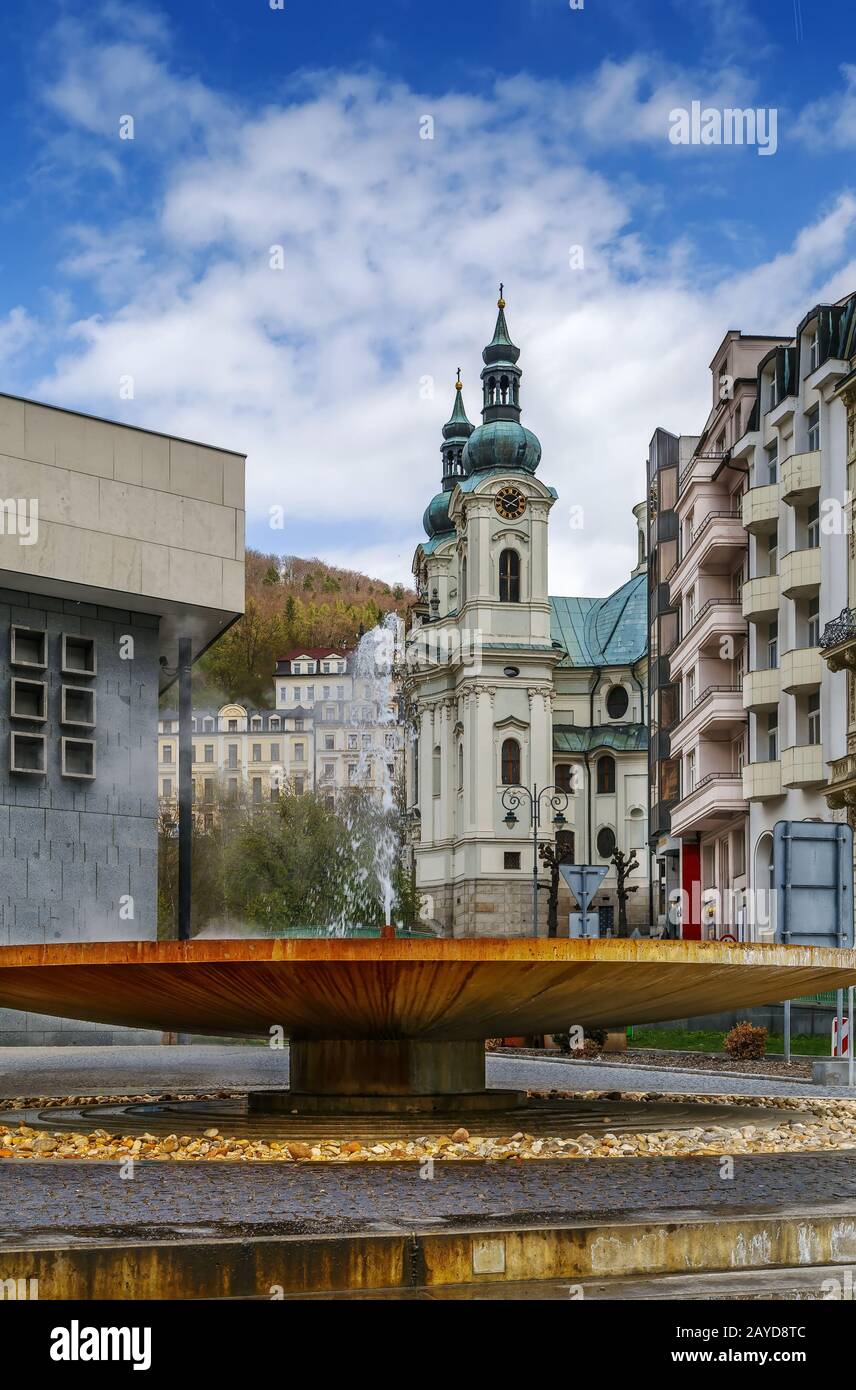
(38, 1071)
(52, 1203)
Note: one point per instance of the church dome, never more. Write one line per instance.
(436, 518)
(502, 444)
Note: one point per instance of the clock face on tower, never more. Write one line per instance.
(510, 503)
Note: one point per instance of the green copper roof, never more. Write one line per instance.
(441, 538)
(621, 738)
(436, 518)
(610, 631)
(458, 426)
(502, 444)
(500, 348)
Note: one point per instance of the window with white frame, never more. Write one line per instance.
(772, 646)
(813, 718)
(813, 622)
(812, 421)
(773, 736)
(812, 527)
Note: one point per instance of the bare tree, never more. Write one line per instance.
(624, 866)
(553, 856)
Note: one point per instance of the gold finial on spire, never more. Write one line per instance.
(500, 303)
(459, 385)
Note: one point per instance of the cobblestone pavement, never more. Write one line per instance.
(54, 1203)
(37, 1071)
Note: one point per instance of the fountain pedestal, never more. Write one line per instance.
(385, 1075)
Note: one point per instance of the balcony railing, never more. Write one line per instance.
(706, 608)
(840, 629)
(698, 533)
(706, 781)
(717, 454)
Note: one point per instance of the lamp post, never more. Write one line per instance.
(557, 800)
(184, 671)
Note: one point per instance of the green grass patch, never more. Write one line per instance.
(674, 1040)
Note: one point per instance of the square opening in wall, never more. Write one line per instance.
(29, 647)
(78, 758)
(29, 700)
(78, 706)
(78, 655)
(28, 753)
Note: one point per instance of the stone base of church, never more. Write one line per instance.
(497, 907)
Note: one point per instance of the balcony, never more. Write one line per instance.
(838, 641)
(800, 572)
(801, 669)
(761, 689)
(713, 801)
(718, 618)
(800, 476)
(762, 781)
(716, 547)
(841, 787)
(779, 414)
(803, 766)
(761, 509)
(718, 713)
(831, 370)
(760, 598)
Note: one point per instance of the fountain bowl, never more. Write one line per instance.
(394, 1017)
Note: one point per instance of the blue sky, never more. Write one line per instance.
(300, 128)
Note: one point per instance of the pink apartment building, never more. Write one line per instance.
(708, 742)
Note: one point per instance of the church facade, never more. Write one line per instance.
(508, 687)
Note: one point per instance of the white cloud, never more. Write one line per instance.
(830, 122)
(18, 330)
(393, 247)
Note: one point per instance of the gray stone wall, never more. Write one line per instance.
(497, 907)
(78, 859)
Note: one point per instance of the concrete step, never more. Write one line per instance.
(484, 1262)
(816, 1283)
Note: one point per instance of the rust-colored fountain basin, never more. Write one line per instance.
(432, 990)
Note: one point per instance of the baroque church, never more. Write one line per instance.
(509, 686)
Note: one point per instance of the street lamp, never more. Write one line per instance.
(557, 800)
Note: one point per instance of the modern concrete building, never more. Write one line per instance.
(708, 662)
(795, 447)
(116, 543)
(509, 687)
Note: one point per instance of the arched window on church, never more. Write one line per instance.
(491, 390)
(436, 770)
(606, 774)
(509, 577)
(503, 390)
(460, 765)
(510, 762)
(565, 778)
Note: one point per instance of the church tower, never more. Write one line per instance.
(481, 660)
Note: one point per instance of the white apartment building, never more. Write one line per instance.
(795, 448)
(326, 732)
